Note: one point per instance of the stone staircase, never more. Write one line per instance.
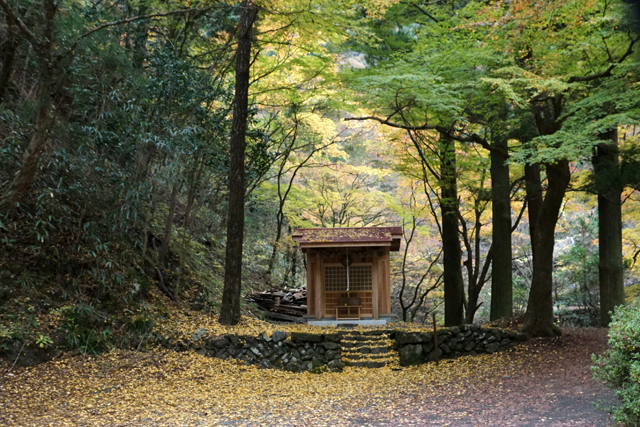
(368, 349)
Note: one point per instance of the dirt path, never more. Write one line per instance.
(539, 383)
(553, 388)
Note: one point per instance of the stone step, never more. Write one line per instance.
(369, 333)
(362, 344)
(350, 357)
(369, 364)
(369, 350)
(365, 337)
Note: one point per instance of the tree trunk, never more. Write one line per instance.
(29, 165)
(533, 187)
(230, 309)
(452, 254)
(606, 165)
(168, 226)
(501, 276)
(276, 242)
(8, 50)
(539, 317)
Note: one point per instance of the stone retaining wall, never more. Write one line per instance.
(415, 348)
(299, 352)
(296, 352)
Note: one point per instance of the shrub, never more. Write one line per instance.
(619, 367)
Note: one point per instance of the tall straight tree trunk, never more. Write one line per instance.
(230, 309)
(538, 320)
(607, 170)
(452, 254)
(501, 276)
(533, 186)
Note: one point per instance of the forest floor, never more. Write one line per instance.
(542, 382)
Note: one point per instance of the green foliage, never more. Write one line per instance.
(576, 274)
(43, 341)
(619, 367)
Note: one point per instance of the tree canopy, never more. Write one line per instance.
(156, 150)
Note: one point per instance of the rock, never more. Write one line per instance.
(376, 332)
(404, 338)
(218, 343)
(489, 340)
(278, 336)
(436, 353)
(335, 365)
(319, 360)
(332, 354)
(410, 354)
(371, 364)
(454, 330)
(469, 346)
(445, 348)
(256, 351)
(491, 347)
(333, 337)
(198, 334)
(379, 350)
(304, 337)
(331, 345)
(426, 348)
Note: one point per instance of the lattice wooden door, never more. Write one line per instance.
(360, 285)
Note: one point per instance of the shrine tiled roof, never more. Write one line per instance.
(349, 236)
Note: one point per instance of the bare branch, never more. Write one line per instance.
(13, 17)
(609, 70)
(474, 137)
(424, 12)
(124, 21)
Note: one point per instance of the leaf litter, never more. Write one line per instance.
(166, 388)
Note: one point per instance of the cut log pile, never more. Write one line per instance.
(288, 305)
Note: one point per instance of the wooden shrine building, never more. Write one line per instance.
(348, 275)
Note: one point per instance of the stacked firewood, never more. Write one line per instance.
(288, 305)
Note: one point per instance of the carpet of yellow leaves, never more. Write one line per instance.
(183, 323)
(167, 388)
